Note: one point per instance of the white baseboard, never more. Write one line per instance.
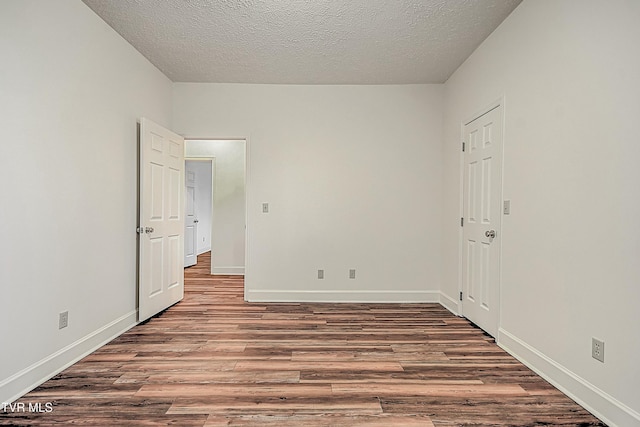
(450, 304)
(232, 271)
(343, 296)
(583, 392)
(29, 378)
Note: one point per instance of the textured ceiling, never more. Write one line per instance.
(305, 41)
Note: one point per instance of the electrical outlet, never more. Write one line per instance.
(320, 274)
(352, 274)
(63, 320)
(597, 349)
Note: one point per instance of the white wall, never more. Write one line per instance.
(569, 71)
(203, 204)
(352, 175)
(72, 90)
(229, 213)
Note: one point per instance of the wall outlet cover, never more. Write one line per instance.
(63, 320)
(597, 349)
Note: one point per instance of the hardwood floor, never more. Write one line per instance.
(215, 360)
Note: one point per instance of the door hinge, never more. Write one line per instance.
(460, 295)
(461, 222)
(463, 146)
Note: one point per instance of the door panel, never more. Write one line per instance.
(471, 267)
(161, 282)
(175, 183)
(176, 272)
(482, 202)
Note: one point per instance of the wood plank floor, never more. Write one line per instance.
(214, 360)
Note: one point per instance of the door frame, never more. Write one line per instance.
(500, 102)
(247, 187)
(213, 180)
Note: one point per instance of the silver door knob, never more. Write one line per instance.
(491, 234)
(148, 229)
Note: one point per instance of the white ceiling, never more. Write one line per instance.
(305, 41)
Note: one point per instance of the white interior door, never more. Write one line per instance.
(190, 220)
(161, 274)
(482, 219)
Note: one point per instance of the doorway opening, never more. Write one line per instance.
(228, 201)
(199, 185)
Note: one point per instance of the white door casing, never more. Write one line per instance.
(190, 221)
(482, 203)
(161, 274)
